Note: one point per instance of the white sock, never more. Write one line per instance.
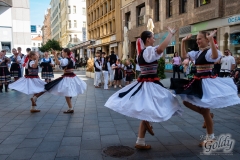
(210, 136)
(35, 98)
(140, 141)
(32, 107)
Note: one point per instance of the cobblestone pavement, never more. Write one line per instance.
(83, 135)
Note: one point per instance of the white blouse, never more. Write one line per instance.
(150, 54)
(195, 54)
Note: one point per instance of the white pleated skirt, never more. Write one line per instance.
(69, 87)
(152, 102)
(28, 85)
(217, 93)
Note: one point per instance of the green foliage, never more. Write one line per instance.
(50, 44)
(161, 68)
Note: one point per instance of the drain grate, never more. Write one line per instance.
(118, 151)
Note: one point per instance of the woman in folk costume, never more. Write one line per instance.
(118, 74)
(205, 91)
(26, 60)
(31, 83)
(47, 71)
(129, 72)
(5, 77)
(15, 69)
(69, 85)
(147, 99)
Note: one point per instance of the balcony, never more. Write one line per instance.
(6, 3)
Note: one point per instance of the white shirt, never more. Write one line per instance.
(125, 68)
(63, 62)
(97, 65)
(31, 63)
(150, 54)
(47, 59)
(226, 63)
(137, 65)
(195, 54)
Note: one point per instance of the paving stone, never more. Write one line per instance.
(108, 131)
(90, 135)
(51, 137)
(45, 156)
(73, 132)
(68, 151)
(37, 134)
(22, 153)
(91, 144)
(22, 131)
(6, 149)
(48, 146)
(90, 155)
(16, 139)
(30, 143)
(71, 141)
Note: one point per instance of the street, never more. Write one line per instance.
(83, 135)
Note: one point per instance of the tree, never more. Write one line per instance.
(161, 68)
(50, 44)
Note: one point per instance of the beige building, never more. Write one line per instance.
(46, 28)
(104, 25)
(188, 16)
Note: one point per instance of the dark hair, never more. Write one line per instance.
(145, 35)
(112, 52)
(32, 53)
(67, 50)
(174, 54)
(103, 53)
(28, 49)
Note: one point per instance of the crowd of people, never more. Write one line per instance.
(111, 71)
(146, 98)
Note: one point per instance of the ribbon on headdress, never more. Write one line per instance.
(25, 61)
(139, 46)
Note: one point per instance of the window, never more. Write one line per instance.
(110, 27)
(141, 14)
(75, 38)
(75, 24)
(84, 11)
(183, 6)
(169, 8)
(70, 38)
(69, 9)
(69, 24)
(106, 7)
(84, 24)
(202, 2)
(127, 19)
(157, 10)
(38, 44)
(33, 44)
(74, 10)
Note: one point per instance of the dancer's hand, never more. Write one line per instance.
(211, 35)
(187, 37)
(172, 30)
(53, 52)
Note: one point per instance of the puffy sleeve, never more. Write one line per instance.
(63, 62)
(150, 54)
(52, 62)
(41, 61)
(209, 56)
(19, 59)
(193, 55)
(31, 63)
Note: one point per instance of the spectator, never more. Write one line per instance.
(227, 64)
(176, 61)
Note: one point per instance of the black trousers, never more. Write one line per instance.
(224, 74)
(176, 69)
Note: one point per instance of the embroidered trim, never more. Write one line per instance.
(29, 76)
(148, 79)
(204, 68)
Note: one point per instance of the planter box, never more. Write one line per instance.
(92, 75)
(88, 74)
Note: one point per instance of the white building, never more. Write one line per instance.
(36, 30)
(55, 19)
(73, 22)
(36, 43)
(15, 24)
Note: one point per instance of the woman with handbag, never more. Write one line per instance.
(69, 85)
(176, 61)
(205, 91)
(147, 99)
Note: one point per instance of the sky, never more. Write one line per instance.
(37, 11)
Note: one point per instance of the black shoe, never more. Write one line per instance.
(6, 87)
(1, 87)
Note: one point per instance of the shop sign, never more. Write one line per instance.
(234, 19)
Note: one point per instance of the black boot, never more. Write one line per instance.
(6, 87)
(1, 87)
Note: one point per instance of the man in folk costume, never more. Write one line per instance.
(22, 59)
(98, 71)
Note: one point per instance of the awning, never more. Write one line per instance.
(81, 45)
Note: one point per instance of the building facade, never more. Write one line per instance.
(104, 26)
(188, 16)
(55, 19)
(73, 22)
(14, 24)
(46, 28)
(36, 43)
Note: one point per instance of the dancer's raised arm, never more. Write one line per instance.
(183, 48)
(164, 44)
(212, 44)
